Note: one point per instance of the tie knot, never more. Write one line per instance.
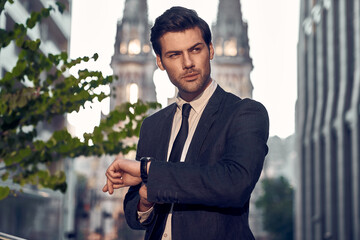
(186, 110)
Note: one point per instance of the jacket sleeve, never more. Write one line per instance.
(130, 207)
(229, 181)
(132, 199)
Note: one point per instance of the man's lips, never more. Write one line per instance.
(190, 76)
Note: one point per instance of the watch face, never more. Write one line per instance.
(148, 159)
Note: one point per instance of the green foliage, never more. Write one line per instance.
(277, 207)
(50, 91)
(4, 192)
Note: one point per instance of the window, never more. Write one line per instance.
(133, 93)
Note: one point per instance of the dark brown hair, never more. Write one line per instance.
(177, 19)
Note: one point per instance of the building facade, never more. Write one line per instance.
(38, 213)
(328, 127)
(54, 32)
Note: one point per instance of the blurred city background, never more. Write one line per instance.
(300, 58)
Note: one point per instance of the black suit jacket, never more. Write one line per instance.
(211, 189)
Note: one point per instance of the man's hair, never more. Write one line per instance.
(177, 19)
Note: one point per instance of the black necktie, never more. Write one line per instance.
(162, 210)
(180, 139)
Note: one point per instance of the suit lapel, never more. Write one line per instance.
(205, 122)
(165, 132)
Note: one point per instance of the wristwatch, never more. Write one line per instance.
(143, 168)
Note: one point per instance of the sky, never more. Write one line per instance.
(273, 36)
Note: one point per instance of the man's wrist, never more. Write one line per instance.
(144, 205)
(144, 163)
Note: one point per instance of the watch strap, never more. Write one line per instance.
(143, 168)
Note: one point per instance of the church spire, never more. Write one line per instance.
(135, 11)
(230, 32)
(232, 63)
(229, 10)
(132, 62)
(132, 36)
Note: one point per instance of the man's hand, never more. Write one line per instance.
(122, 173)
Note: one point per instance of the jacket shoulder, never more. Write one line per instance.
(155, 117)
(234, 102)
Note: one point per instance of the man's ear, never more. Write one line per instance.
(159, 62)
(211, 50)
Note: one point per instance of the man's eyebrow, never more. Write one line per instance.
(172, 52)
(196, 45)
(178, 51)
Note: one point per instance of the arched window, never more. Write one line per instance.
(134, 93)
(134, 47)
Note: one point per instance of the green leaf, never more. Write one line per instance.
(64, 56)
(5, 38)
(19, 68)
(19, 30)
(34, 18)
(4, 192)
(32, 45)
(5, 176)
(61, 6)
(43, 174)
(140, 109)
(45, 12)
(95, 56)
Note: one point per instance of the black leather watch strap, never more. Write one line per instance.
(143, 168)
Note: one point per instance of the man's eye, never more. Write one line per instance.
(196, 50)
(173, 55)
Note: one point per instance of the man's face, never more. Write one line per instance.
(186, 59)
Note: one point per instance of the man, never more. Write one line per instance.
(197, 186)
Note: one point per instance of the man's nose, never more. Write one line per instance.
(187, 61)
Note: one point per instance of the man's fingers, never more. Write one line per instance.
(112, 183)
(116, 186)
(117, 180)
(110, 186)
(114, 174)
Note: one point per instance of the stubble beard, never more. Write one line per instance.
(194, 87)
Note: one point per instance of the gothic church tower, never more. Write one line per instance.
(133, 62)
(232, 64)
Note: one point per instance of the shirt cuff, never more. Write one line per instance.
(143, 216)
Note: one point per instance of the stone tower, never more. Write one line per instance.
(133, 62)
(232, 64)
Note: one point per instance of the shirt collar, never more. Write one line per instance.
(200, 101)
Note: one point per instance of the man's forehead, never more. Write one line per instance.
(176, 41)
